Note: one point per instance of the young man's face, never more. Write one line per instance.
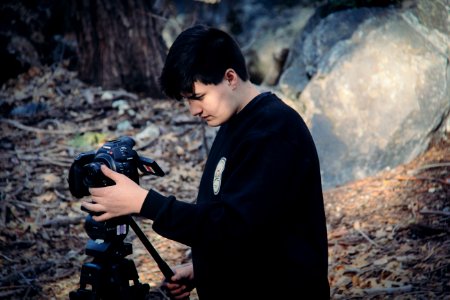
(213, 103)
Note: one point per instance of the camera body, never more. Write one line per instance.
(119, 156)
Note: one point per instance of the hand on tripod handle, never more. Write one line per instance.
(180, 285)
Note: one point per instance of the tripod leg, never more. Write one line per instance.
(123, 273)
(90, 274)
(110, 281)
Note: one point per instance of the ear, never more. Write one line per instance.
(231, 77)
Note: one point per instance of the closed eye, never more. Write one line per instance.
(197, 97)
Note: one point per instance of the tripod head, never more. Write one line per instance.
(116, 249)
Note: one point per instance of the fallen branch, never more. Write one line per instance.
(59, 276)
(431, 166)
(418, 178)
(33, 129)
(61, 162)
(48, 131)
(34, 269)
(61, 221)
(367, 237)
(21, 203)
(147, 145)
(118, 94)
(435, 212)
(62, 196)
(390, 290)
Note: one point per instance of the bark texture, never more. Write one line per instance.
(120, 44)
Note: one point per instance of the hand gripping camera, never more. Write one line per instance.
(110, 273)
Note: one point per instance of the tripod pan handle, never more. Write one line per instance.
(163, 266)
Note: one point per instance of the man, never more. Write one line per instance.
(257, 229)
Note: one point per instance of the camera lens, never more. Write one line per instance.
(93, 174)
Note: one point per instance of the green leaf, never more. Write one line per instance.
(88, 140)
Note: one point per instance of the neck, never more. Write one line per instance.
(247, 91)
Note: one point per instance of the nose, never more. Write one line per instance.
(195, 108)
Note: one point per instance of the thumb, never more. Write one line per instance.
(175, 277)
(110, 173)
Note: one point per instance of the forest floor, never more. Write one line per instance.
(388, 234)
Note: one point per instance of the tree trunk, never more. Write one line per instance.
(120, 44)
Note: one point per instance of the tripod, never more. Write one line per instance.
(110, 273)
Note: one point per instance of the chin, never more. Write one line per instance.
(213, 123)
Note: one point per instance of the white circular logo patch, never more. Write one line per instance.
(218, 175)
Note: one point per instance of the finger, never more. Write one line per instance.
(95, 207)
(176, 277)
(178, 290)
(102, 217)
(98, 192)
(172, 286)
(183, 296)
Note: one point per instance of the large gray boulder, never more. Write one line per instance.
(372, 84)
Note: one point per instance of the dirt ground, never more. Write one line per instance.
(388, 234)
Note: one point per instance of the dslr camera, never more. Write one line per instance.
(85, 172)
(119, 156)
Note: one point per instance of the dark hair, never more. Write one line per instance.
(203, 54)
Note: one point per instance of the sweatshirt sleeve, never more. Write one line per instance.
(152, 204)
(172, 218)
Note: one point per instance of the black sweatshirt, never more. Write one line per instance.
(257, 229)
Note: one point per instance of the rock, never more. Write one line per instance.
(377, 92)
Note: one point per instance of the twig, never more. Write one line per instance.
(431, 166)
(51, 160)
(422, 178)
(367, 237)
(50, 149)
(435, 212)
(6, 257)
(33, 129)
(147, 145)
(121, 94)
(60, 221)
(390, 290)
(47, 131)
(62, 196)
(60, 275)
(35, 269)
(31, 204)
